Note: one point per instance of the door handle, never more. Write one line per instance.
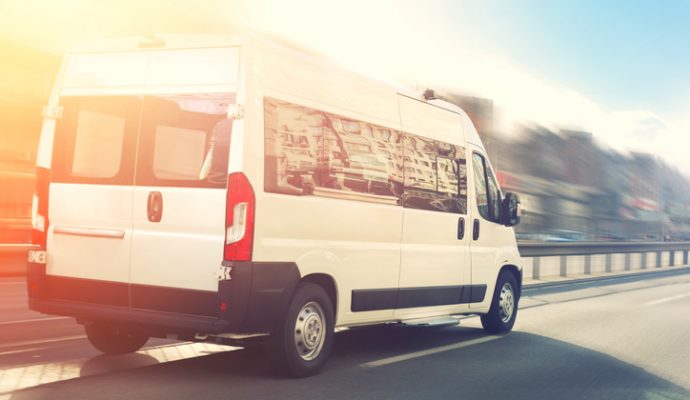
(475, 230)
(154, 206)
(461, 228)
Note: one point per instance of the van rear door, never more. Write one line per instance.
(179, 202)
(90, 206)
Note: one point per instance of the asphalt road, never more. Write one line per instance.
(616, 339)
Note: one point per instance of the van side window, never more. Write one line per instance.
(312, 152)
(488, 194)
(184, 141)
(435, 175)
(95, 141)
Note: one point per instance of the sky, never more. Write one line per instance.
(619, 69)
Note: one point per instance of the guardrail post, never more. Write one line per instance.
(608, 262)
(646, 250)
(535, 267)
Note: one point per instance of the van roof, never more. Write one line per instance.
(209, 40)
(158, 41)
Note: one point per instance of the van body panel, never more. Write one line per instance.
(494, 248)
(79, 212)
(432, 255)
(115, 71)
(430, 121)
(356, 242)
(216, 67)
(184, 249)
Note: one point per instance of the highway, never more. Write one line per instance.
(624, 338)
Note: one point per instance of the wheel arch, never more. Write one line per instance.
(513, 269)
(327, 282)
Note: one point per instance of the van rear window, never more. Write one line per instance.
(184, 141)
(179, 153)
(98, 144)
(171, 140)
(95, 141)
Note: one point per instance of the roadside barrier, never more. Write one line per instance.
(541, 260)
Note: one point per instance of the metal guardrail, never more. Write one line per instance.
(591, 248)
(587, 249)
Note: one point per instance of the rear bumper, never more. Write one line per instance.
(154, 320)
(253, 300)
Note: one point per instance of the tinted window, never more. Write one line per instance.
(95, 140)
(184, 141)
(434, 175)
(315, 152)
(308, 151)
(488, 194)
(178, 153)
(494, 196)
(98, 144)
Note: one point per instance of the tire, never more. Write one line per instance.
(111, 340)
(303, 340)
(504, 305)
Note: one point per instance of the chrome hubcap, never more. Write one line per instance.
(310, 331)
(506, 303)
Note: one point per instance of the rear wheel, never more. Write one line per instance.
(111, 339)
(304, 339)
(503, 311)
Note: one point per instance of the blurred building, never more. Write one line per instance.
(28, 76)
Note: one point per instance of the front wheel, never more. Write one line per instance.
(304, 339)
(504, 305)
(111, 339)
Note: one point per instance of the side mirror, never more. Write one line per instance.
(510, 212)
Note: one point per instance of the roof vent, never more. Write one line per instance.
(150, 42)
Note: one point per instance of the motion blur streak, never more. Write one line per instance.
(574, 186)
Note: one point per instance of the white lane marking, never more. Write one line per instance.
(32, 375)
(42, 341)
(29, 350)
(423, 353)
(25, 321)
(666, 299)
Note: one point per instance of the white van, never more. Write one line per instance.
(225, 188)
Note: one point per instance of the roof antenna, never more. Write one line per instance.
(429, 94)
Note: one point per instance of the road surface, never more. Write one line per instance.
(626, 338)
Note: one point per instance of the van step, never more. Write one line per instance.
(433, 321)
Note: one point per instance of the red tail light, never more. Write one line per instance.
(239, 218)
(39, 208)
